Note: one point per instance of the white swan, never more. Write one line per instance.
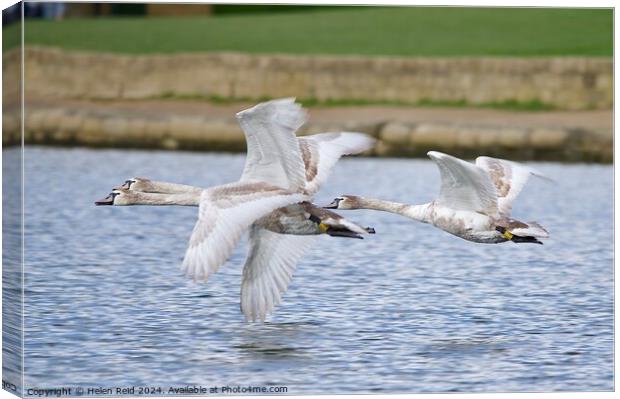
(272, 159)
(474, 203)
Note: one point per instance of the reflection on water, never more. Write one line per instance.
(411, 309)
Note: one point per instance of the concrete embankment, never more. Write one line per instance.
(402, 131)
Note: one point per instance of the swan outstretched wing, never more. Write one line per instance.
(268, 270)
(509, 179)
(225, 212)
(464, 186)
(320, 152)
(273, 154)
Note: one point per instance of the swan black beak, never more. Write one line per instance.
(109, 200)
(333, 204)
(124, 186)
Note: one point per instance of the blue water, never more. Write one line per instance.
(411, 309)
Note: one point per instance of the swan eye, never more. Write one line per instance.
(128, 183)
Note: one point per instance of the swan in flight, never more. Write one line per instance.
(474, 203)
(281, 174)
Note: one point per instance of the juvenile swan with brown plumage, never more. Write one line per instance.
(279, 166)
(474, 203)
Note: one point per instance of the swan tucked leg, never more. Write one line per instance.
(522, 238)
(308, 219)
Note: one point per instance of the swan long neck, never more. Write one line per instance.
(416, 212)
(172, 188)
(185, 199)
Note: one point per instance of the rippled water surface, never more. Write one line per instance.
(411, 309)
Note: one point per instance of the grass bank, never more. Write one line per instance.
(511, 105)
(393, 31)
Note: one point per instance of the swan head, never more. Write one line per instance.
(136, 184)
(344, 202)
(116, 197)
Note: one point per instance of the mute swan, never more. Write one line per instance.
(273, 256)
(474, 203)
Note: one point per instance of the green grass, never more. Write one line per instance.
(511, 105)
(221, 9)
(395, 31)
(11, 36)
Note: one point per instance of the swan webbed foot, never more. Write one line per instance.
(517, 239)
(343, 233)
(527, 239)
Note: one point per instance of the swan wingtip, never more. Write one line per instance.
(246, 112)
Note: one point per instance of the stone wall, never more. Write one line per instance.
(565, 83)
(98, 128)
